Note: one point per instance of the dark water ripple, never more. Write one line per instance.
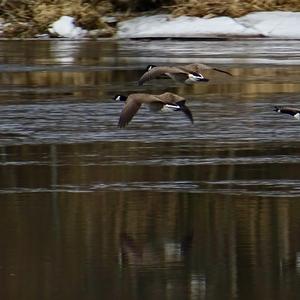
(161, 209)
(261, 188)
(81, 122)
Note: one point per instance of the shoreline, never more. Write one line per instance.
(217, 39)
(279, 25)
(276, 24)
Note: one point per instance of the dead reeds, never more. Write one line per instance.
(232, 8)
(29, 17)
(26, 18)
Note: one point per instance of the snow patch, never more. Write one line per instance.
(65, 27)
(269, 24)
(182, 27)
(276, 24)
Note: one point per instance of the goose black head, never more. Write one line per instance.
(120, 98)
(149, 67)
(277, 109)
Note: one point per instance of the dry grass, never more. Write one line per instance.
(29, 17)
(232, 8)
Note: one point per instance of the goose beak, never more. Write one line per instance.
(204, 79)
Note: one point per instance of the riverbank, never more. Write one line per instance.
(278, 24)
(167, 19)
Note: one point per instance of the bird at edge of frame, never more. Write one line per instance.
(157, 103)
(288, 110)
(188, 74)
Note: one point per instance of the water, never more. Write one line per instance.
(162, 209)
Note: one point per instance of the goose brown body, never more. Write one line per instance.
(179, 73)
(198, 68)
(155, 102)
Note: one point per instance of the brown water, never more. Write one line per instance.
(161, 209)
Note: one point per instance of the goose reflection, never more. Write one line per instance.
(135, 252)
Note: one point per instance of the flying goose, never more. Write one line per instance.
(188, 74)
(164, 102)
(288, 110)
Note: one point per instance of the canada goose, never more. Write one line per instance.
(188, 74)
(163, 102)
(288, 110)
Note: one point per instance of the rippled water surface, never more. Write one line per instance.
(161, 209)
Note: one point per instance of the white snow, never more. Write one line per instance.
(276, 24)
(267, 24)
(65, 27)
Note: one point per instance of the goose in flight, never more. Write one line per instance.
(188, 74)
(164, 102)
(288, 110)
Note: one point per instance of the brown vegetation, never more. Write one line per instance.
(25, 18)
(232, 8)
(30, 17)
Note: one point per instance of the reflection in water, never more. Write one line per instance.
(139, 253)
(91, 84)
(81, 68)
(162, 209)
(173, 242)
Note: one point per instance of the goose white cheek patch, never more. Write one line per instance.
(194, 78)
